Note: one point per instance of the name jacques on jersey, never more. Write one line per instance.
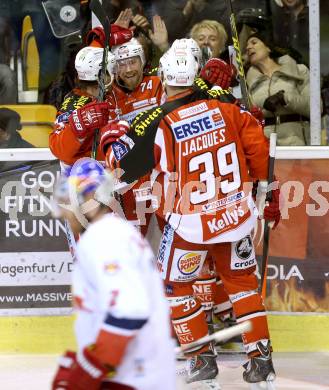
(210, 127)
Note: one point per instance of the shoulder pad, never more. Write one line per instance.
(146, 120)
(73, 101)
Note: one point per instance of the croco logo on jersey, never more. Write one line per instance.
(189, 263)
(198, 124)
(242, 254)
(243, 248)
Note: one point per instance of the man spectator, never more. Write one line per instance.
(291, 26)
(10, 137)
(9, 126)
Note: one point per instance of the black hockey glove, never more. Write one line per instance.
(273, 102)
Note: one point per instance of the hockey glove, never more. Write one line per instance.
(273, 102)
(111, 133)
(272, 211)
(86, 119)
(257, 113)
(65, 363)
(118, 36)
(268, 210)
(85, 373)
(218, 72)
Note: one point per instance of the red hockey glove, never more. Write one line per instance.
(88, 118)
(258, 114)
(218, 72)
(65, 363)
(111, 133)
(85, 373)
(272, 209)
(118, 35)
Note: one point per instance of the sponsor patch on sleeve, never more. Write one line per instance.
(119, 150)
(64, 118)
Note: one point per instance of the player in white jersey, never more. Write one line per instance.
(122, 326)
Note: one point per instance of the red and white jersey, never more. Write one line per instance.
(206, 154)
(63, 142)
(148, 94)
(211, 146)
(117, 289)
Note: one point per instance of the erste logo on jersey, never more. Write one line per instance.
(198, 124)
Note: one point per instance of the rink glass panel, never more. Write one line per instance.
(298, 277)
(35, 265)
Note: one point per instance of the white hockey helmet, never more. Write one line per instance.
(188, 44)
(129, 49)
(88, 63)
(178, 68)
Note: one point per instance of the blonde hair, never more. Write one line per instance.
(211, 25)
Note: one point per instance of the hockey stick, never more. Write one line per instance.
(266, 240)
(236, 46)
(221, 335)
(97, 9)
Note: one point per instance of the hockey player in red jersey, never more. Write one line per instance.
(122, 325)
(207, 155)
(133, 92)
(80, 113)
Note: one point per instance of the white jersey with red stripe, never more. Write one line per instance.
(119, 290)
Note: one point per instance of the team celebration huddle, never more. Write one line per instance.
(165, 173)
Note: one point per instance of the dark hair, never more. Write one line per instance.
(9, 120)
(275, 51)
(83, 84)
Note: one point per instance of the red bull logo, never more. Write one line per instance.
(189, 263)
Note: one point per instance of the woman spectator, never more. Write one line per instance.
(210, 34)
(280, 87)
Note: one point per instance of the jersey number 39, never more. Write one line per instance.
(226, 160)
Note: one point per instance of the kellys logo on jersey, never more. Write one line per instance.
(186, 264)
(198, 124)
(225, 219)
(242, 254)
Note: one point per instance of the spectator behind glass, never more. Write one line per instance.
(281, 87)
(210, 34)
(8, 84)
(66, 80)
(291, 25)
(181, 15)
(49, 47)
(114, 7)
(9, 126)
